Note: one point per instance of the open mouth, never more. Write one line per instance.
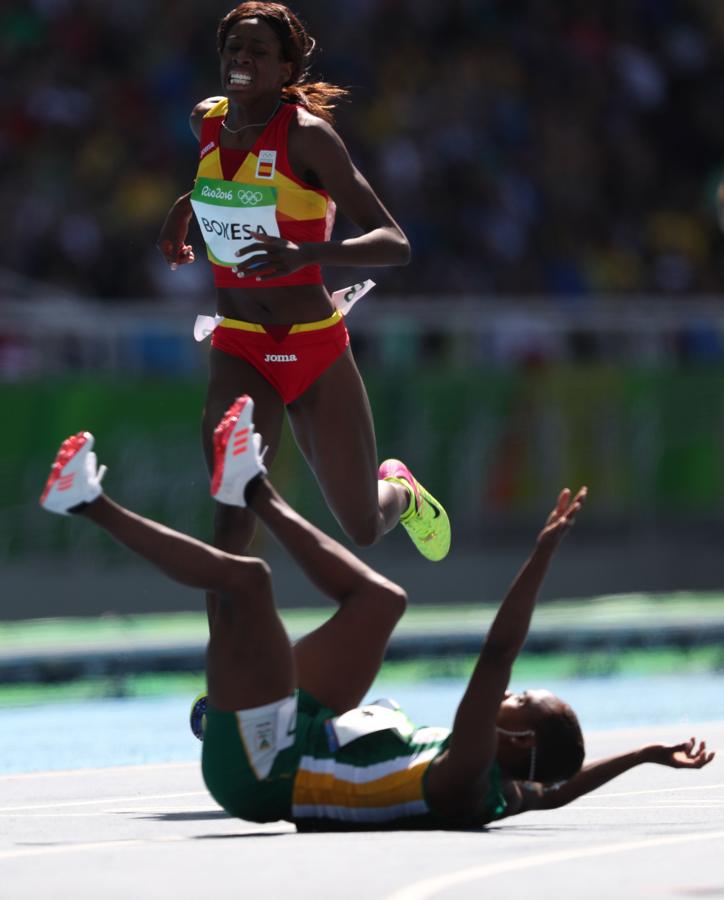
(238, 78)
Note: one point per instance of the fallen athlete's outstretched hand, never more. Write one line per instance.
(561, 518)
(681, 756)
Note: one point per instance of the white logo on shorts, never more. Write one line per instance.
(281, 357)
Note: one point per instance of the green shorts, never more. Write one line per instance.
(227, 760)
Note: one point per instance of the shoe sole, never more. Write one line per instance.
(434, 553)
(69, 450)
(395, 468)
(229, 429)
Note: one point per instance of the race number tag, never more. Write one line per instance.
(230, 214)
(346, 298)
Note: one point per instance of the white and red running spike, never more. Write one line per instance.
(238, 457)
(74, 477)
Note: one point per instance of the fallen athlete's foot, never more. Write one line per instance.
(425, 520)
(197, 717)
(238, 457)
(74, 478)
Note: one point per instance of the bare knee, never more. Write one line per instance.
(390, 599)
(397, 599)
(250, 580)
(364, 533)
(244, 584)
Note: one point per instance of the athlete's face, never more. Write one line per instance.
(251, 63)
(521, 712)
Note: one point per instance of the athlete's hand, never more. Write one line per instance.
(273, 257)
(176, 253)
(681, 756)
(561, 518)
(172, 238)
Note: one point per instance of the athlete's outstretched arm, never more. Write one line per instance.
(461, 772)
(527, 796)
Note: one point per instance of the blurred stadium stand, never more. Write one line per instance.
(526, 146)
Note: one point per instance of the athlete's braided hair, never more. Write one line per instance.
(297, 45)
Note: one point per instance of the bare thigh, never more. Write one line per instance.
(338, 662)
(333, 427)
(249, 660)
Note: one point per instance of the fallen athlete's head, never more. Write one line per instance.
(539, 737)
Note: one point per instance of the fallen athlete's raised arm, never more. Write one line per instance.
(458, 778)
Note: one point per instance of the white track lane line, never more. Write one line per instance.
(428, 887)
(108, 770)
(125, 810)
(708, 804)
(671, 790)
(65, 804)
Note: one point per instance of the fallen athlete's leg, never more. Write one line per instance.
(337, 662)
(249, 661)
(229, 378)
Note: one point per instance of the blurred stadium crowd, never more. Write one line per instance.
(527, 147)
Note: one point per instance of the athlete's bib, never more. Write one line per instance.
(382, 715)
(230, 214)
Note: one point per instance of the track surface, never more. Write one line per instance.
(154, 832)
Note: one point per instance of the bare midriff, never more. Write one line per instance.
(290, 305)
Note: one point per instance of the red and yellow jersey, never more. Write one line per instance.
(237, 192)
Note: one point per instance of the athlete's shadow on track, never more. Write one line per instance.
(212, 815)
(242, 834)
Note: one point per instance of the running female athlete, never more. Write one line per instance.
(272, 171)
(284, 737)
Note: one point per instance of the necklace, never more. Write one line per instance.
(252, 124)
